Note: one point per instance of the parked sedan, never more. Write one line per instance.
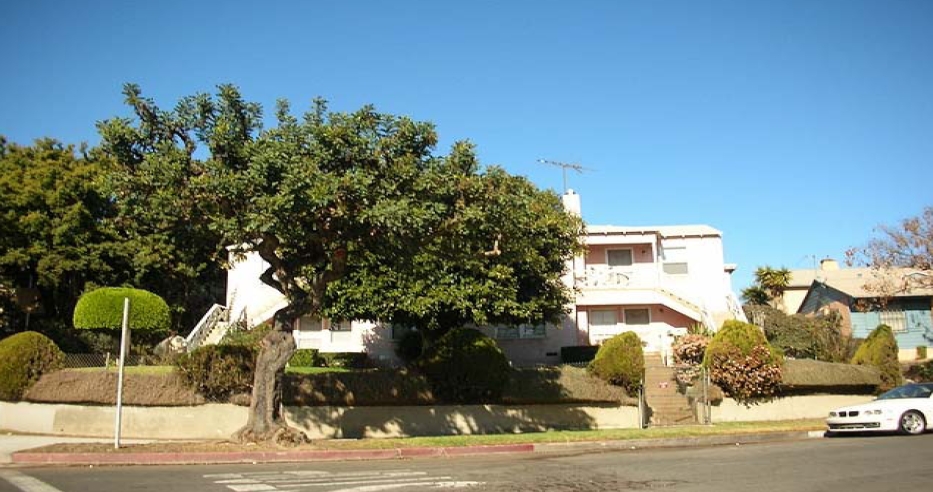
(907, 409)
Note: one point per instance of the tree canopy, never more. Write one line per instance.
(908, 245)
(353, 214)
(54, 238)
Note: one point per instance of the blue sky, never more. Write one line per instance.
(795, 127)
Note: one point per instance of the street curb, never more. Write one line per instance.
(192, 458)
(678, 442)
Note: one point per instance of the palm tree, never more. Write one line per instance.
(773, 282)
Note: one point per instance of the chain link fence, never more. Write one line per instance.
(77, 361)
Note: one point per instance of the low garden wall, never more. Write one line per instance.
(783, 408)
(218, 421)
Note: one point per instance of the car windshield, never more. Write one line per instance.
(908, 391)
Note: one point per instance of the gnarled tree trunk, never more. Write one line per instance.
(266, 421)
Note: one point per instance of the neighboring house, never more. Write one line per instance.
(866, 298)
(655, 281)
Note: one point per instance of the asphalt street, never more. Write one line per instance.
(852, 464)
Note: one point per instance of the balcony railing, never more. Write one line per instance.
(632, 277)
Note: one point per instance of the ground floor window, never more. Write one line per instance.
(604, 317)
(896, 319)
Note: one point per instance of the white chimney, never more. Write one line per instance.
(829, 264)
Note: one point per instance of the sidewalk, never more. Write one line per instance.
(16, 449)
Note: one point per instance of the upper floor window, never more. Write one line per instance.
(619, 257)
(675, 260)
(637, 316)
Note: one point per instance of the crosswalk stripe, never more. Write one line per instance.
(25, 482)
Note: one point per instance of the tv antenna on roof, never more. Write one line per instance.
(564, 167)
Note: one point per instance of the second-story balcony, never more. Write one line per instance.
(619, 277)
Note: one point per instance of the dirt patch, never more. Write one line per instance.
(100, 388)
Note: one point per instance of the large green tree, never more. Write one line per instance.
(54, 236)
(348, 206)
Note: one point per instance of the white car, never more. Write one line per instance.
(907, 409)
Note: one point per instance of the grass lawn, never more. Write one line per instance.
(583, 436)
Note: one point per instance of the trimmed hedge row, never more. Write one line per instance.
(103, 309)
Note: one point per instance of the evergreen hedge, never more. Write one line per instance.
(218, 372)
(466, 366)
(880, 350)
(102, 309)
(621, 361)
(24, 358)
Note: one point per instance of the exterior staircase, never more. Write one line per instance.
(667, 406)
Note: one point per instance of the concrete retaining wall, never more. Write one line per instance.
(786, 408)
(216, 421)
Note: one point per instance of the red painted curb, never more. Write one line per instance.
(27, 457)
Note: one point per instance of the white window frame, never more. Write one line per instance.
(680, 258)
(342, 326)
(521, 332)
(631, 254)
(625, 316)
(592, 318)
(895, 318)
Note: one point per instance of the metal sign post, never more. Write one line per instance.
(122, 362)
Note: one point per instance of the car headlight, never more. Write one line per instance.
(873, 412)
(832, 414)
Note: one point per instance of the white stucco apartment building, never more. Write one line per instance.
(655, 281)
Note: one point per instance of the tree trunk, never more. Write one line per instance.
(266, 421)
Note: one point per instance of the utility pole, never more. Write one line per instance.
(564, 167)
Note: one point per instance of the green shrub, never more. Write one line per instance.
(305, 358)
(803, 337)
(24, 358)
(103, 309)
(880, 350)
(248, 337)
(218, 371)
(621, 361)
(349, 360)
(410, 346)
(742, 363)
(578, 354)
(466, 366)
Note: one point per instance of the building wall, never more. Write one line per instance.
(919, 326)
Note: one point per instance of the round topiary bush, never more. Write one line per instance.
(103, 309)
(742, 363)
(24, 358)
(218, 372)
(621, 361)
(880, 350)
(466, 366)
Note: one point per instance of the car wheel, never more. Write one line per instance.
(912, 423)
